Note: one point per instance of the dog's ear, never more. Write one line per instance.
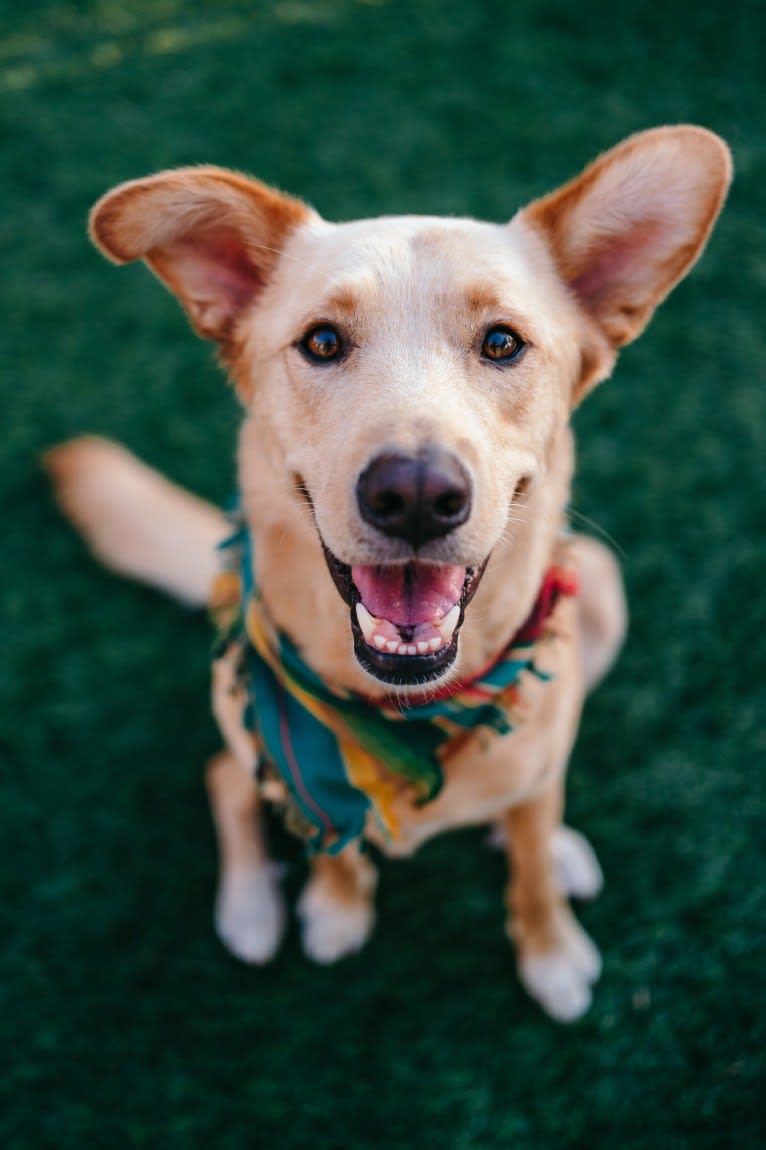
(626, 230)
(211, 235)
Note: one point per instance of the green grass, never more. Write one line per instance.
(124, 1024)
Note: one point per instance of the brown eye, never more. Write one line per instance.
(322, 344)
(501, 344)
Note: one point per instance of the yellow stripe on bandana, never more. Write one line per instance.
(339, 754)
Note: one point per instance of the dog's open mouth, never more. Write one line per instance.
(405, 618)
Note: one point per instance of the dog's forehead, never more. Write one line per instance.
(417, 257)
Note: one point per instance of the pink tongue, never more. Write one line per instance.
(411, 594)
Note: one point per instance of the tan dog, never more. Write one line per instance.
(404, 465)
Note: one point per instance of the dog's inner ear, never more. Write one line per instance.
(213, 274)
(212, 236)
(629, 228)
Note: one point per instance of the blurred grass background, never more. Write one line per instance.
(123, 1021)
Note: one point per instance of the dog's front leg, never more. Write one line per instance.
(337, 907)
(557, 962)
(249, 909)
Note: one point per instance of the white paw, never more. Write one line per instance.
(577, 867)
(560, 980)
(331, 929)
(250, 913)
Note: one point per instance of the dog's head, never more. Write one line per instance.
(412, 375)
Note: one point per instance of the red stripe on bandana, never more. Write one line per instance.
(557, 581)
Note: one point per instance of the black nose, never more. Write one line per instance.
(415, 497)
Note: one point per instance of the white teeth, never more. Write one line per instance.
(448, 624)
(367, 622)
(374, 632)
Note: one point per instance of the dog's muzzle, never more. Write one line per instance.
(405, 617)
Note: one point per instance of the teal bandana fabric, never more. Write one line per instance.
(338, 754)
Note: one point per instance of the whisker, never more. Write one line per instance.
(294, 258)
(610, 539)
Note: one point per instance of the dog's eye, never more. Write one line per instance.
(501, 344)
(322, 344)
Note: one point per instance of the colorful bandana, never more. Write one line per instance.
(339, 754)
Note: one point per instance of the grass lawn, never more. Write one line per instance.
(123, 1022)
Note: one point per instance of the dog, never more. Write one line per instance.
(407, 627)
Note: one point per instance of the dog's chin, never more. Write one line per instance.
(419, 645)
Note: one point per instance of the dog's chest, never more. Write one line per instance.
(486, 773)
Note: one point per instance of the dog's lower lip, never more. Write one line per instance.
(404, 670)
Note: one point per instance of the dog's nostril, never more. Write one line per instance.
(388, 504)
(415, 497)
(450, 504)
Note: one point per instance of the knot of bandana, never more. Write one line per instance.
(340, 755)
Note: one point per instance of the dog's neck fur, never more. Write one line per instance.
(310, 610)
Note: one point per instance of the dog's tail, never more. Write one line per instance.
(136, 521)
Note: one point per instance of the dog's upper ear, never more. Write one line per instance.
(211, 235)
(626, 230)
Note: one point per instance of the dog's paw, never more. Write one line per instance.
(577, 867)
(250, 913)
(330, 928)
(560, 979)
